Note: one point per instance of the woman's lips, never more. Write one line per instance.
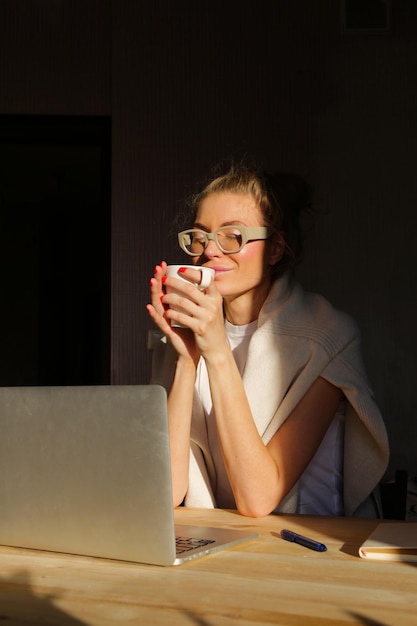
(221, 270)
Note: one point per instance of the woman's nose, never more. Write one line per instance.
(212, 250)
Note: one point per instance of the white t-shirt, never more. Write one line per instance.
(321, 484)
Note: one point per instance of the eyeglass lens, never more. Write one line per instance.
(227, 239)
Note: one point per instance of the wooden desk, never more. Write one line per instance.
(266, 581)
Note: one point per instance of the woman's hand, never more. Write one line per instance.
(201, 311)
(181, 338)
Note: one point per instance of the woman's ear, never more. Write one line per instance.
(277, 248)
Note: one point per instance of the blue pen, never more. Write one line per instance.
(290, 535)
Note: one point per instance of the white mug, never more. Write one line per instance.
(207, 275)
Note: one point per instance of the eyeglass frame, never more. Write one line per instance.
(249, 233)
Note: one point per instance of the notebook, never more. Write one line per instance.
(85, 470)
(391, 541)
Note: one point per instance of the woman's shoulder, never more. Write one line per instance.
(289, 309)
(316, 306)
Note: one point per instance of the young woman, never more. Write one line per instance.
(269, 406)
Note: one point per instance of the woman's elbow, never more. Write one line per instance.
(256, 509)
(176, 502)
(178, 496)
(259, 504)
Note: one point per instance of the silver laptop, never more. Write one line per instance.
(85, 470)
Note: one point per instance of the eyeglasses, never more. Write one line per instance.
(229, 239)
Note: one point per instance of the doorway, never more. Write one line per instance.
(55, 242)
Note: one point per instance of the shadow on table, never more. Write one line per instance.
(20, 604)
(196, 619)
(363, 620)
(366, 621)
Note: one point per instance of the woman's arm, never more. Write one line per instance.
(180, 397)
(261, 475)
(180, 404)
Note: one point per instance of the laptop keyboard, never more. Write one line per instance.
(184, 544)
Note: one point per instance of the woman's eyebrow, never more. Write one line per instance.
(230, 223)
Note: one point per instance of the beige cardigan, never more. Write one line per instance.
(300, 336)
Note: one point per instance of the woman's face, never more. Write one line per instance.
(246, 272)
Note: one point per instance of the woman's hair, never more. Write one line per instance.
(282, 198)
